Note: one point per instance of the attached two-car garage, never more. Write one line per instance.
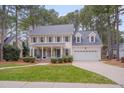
(86, 53)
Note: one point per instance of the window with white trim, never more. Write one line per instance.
(50, 39)
(34, 39)
(41, 39)
(78, 39)
(92, 39)
(58, 39)
(66, 52)
(67, 39)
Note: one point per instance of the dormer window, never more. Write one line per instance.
(78, 39)
(92, 37)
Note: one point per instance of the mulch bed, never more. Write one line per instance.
(15, 62)
(115, 63)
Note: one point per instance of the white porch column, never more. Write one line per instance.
(30, 52)
(21, 53)
(45, 39)
(42, 52)
(62, 39)
(51, 52)
(61, 51)
(33, 52)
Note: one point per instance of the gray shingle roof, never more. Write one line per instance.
(85, 38)
(8, 39)
(54, 29)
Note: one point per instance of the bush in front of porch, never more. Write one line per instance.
(64, 59)
(29, 59)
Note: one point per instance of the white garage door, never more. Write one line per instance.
(86, 55)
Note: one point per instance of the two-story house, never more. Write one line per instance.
(46, 42)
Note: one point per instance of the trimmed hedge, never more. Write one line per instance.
(65, 59)
(122, 59)
(60, 60)
(29, 59)
(11, 53)
(70, 59)
(53, 60)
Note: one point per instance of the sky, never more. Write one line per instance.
(64, 9)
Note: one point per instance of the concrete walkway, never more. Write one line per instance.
(112, 72)
(24, 66)
(16, 84)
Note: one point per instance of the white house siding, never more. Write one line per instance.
(87, 53)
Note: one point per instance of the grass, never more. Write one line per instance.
(53, 73)
(11, 65)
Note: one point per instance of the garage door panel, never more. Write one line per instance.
(85, 55)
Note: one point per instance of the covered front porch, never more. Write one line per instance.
(49, 52)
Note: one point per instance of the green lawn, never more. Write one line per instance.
(53, 73)
(11, 65)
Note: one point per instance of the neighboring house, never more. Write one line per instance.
(61, 40)
(11, 40)
(122, 34)
(121, 50)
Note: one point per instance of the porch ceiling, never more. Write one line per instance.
(47, 44)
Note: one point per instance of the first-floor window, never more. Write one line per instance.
(66, 52)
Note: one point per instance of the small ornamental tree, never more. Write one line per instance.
(25, 49)
(10, 53)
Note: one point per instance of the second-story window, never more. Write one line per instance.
(34, 39)
(92, 38)
(66, 39)
(78, 40)
(58, 39)
(49, 39)
(42, 39)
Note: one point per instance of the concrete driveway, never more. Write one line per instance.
(112, 72)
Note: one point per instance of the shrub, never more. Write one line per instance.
(70, 59)
(60, 60)
(25, 49)
(65, 59)
(122, 59)
(53, 60)
(11, 53)
(29, 59)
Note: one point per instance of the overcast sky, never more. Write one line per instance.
(64, 9)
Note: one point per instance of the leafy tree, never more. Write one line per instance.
(25, 49)
(11, 53)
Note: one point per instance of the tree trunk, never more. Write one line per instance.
(2, 33)
(117, 34)
(16, 26)
(109, 40)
